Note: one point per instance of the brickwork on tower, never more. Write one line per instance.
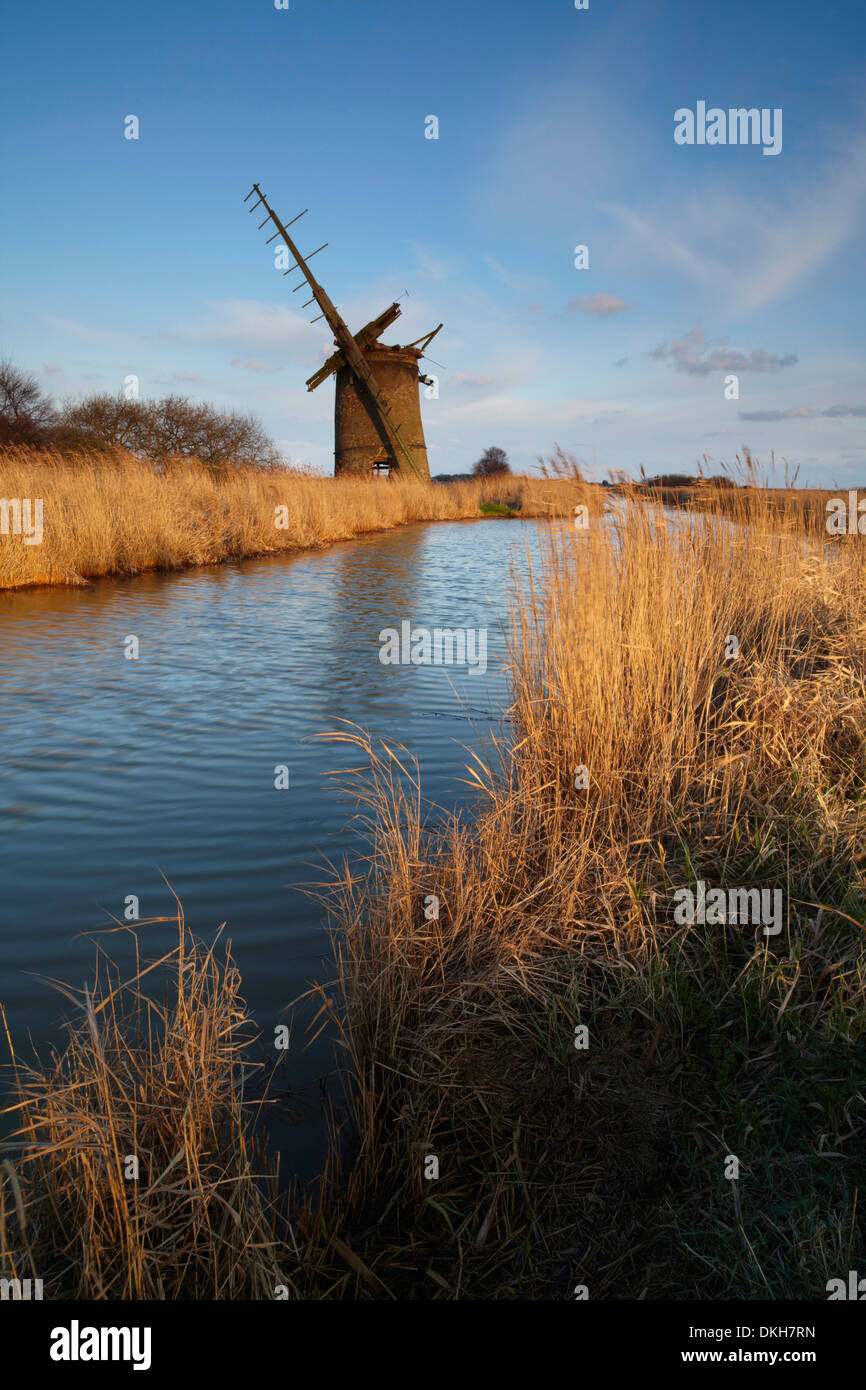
(357, 443)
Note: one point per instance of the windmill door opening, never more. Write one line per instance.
(381, 468)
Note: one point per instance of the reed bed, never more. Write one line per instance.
(638, 757)
(603, 1169)
(133, 1171)
(804, 507)
(119, 515)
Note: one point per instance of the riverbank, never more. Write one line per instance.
(556, 1083)
(117, 516)
(619, 1100)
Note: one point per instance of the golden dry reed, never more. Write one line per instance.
(639, 756)
(118, 515)
(132, 1174)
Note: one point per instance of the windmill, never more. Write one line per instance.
(377, 411)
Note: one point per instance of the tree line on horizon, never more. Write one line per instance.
(169, 427)
(174, 426)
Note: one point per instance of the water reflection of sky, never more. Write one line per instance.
(114, 771)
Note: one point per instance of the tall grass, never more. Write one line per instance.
(133, 1173)
(120, 516)
(561, 1166)
(605, 1167)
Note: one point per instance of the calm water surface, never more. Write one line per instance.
(114, 771)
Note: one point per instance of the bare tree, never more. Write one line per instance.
(27, 416)
(112, 422)
(178, 427)
(492, 464)
(173, 427)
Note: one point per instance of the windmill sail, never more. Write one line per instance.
(364, 382)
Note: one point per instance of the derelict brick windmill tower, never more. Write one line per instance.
(377, 410)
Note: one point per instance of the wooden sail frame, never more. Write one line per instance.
(370, 393)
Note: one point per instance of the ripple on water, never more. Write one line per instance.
(115, 772)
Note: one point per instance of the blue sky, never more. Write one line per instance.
(555, 129)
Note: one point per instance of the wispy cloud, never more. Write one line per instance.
(463, 379)
(693, 354)
(599, 305)
(253, 365)
(609, 417)
(251, 324)
(747, 250)
(72, 329)
(426, 264)
(522, 284)
(804, 412)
